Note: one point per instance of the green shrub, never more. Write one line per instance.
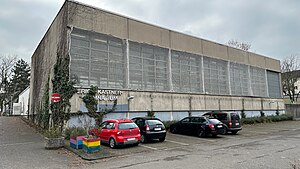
(167, 124)
(67, 133)
(53, 133)
(266, 119)
(74, 131)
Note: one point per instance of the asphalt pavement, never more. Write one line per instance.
(22, 148)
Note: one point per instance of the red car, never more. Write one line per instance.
(118, 132)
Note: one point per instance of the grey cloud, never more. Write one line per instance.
(271, 26)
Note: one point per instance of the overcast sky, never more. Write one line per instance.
(272, 27)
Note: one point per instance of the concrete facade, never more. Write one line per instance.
(56, 42)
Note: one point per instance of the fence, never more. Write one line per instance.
(293, 109)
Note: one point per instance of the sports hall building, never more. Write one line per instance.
(150, 68)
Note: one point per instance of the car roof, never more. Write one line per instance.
(216, 112)
(119, 120)
(147, 118)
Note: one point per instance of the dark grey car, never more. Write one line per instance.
(151, 128)
(232, 120)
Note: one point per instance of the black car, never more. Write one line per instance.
(200, 126)
(232, 120)
(151, 128)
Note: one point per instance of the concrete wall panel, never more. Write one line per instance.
(141, 102)
(44, 57)
(186, 43)
(273, 64)
(248, 104)
(225, 103)
(238, 56)
(198, 102)
(215, 50)
(180, 102)
(212, 102)
(256, 104)
(161, 102)
(237, 103)
(257, 60)
(145, 33)
(90, 18)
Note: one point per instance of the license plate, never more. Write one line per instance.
(130, 139)
(219, 126)
(157, 129)
(237, 123)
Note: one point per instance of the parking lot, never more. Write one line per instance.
(174, 141)
(267, 146)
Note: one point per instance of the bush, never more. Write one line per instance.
(53, 133)
(74, 131)
(167, 124)
(266, 119)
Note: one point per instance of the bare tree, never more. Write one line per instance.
(289, 76)
(6, 69)
(240, 45)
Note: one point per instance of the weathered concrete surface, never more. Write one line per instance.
(262, 146)
(22, 148)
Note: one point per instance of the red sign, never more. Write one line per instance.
(55, 97)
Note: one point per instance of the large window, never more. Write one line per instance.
(101, 60)
(274, 84)
(186, 72)
(239, 79)
(148, 67)
(215, 76)
(258, 81)
(97, 59)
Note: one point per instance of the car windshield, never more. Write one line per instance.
(214, 121)
(124, 126)
(235, 116)
(154, 122)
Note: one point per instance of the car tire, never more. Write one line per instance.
(234, 132)
(112, 143)
(201, 133)
(143, 139)
(225, 131)
(173, 130)
(162, 139)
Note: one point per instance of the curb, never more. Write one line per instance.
(88, 158)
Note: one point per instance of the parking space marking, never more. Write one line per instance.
(152, 148)
(184, 144)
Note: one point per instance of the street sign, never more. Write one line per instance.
(55, 97)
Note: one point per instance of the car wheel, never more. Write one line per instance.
(173, 130)
(112, 143)
(162, 139)
(143, 139)
(225, 131)
(201, 133)
(234, 132)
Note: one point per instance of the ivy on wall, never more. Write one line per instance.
(91, 105)
(62, 85)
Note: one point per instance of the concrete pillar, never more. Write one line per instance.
(127, 64)
(228, 76)
(170, 71)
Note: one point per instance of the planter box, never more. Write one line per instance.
(91, 145)
(76, 142)
(54, 143)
